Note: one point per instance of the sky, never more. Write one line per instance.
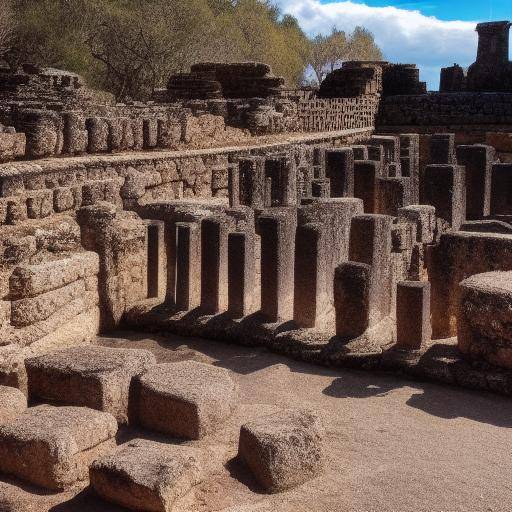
(430, 33)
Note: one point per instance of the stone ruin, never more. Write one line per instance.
(360, 225)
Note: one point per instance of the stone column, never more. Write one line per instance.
(277, 230)
(477, 160)
(365, 179)
(413, 314)
(214, 265)
(501, 186)
(188, 265)
(252, 181)
(339, 169)
(444, 188)
(241, 274)
(156, 259)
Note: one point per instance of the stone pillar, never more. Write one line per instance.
(493, 43)
(393, 194)
(370, 243)
(150, 133)
(214, 265)
(252, 181)
(156, 259)
(360, 152)
(97, 134)
(75, 137)
(339, 168)
(501, 187)
(442, 149)
(277, 231)
(444, 188)
(319, 163)
(390, 147)
(311, 300)
(413, 315)
(410, 162)
(241, 274)
(352, 299)
(477, 160)
(321, 188)
(188, 265)
(281, 181)
(423, 216)
(365, 179)
(234, 186)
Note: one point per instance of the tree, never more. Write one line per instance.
(6, 21)
(329, 52)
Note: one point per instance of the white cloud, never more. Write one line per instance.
(406, 36)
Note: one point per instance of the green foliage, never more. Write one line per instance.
(329, 52)
(131, 47)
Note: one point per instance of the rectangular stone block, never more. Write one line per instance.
(252, 182)
(393, 194)
(188, 265)
(501, 189)
(156, 259)
(33, 280)
(241, 274)
(477, 160)
(352, 283)
(277, 230)
(370, 243)
(31, 310)
(214, 265)
(339, 169)
(97, 134)
(413, 315)
(311, 300)
(444, 188)
(52, 447)
(365, 184)
(321, 188)
(442, 149)
(424, 217)
(89, 376)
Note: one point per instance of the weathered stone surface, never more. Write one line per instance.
(52, 447)
(186, 399)
(12, 403)
(147, 476)
(95, 377)
(485, 316)
(32, 280)
(283, 450)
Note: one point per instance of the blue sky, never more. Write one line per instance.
(430, 33)
(450, 10)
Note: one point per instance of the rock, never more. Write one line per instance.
(484, 318)
(147, 476)
(282, 450)
(186, 399)
(89, 376)
(52, 447)
(12, 403)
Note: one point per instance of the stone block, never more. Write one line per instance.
(187, 399)
(365, 183)
(33, 280)
(339, 169)
(484, 317)
(283, 450)
(94, 377)
(444, 187)
(39, 204)
(52, 447)
(424, 217)
(30, 310)
(12, 404)
(413, 314)
(147, 476)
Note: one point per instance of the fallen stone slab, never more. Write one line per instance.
(89, 376)
(282, 450)
(12, 403)
(147, 476)
(186, 399)
(52, 447)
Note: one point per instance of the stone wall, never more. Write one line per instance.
(446, 109)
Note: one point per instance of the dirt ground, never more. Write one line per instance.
(391, 445)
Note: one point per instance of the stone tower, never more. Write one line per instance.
(492, 71)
